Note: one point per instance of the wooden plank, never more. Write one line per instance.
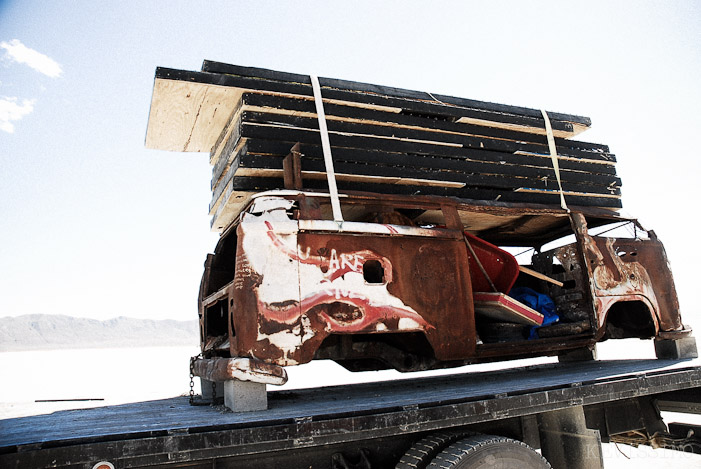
(163, 131)
(437, 163)
(586, 190)
(439, 145)
(429, 175)
(545, 196)
(232, 201)
(389, 143)
(226, 156)
(248, 185)
(188, 118)
(392, 174)
(368, 88)
(364, 150)
(352, 177)
(412, 134)
(533, 190)
(540, 276)
(290, 135)
(343, 111)
(230, 134)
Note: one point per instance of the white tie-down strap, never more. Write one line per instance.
(326, 147)
(553, 157)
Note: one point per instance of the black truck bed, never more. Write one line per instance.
(167, 431)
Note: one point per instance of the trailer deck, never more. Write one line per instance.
(170, 431)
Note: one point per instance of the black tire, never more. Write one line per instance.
(489, 452)
(426, 449)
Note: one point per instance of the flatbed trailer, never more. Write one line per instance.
(566, 409)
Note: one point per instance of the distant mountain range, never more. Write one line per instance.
(44, 332)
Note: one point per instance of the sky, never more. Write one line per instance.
(92, 224)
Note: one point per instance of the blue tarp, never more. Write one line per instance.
(539, 302)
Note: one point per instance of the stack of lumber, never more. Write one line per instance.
(383, 140)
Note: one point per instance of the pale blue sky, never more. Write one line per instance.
(92, 224)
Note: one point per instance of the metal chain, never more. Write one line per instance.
(192, 378)
(214, 391)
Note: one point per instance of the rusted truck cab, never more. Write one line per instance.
(393, 284)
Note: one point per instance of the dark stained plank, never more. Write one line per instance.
(538, 168)
(256, 184)
(367, 88)
(286, 129)
(419, 134)
(244, 165)
(372, 150)
(436, 122)
(364, 150)
(476, 179)
(418, 106)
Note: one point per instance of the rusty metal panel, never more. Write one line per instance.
(293, 289)
(301, 286)
(636, 269)
(375, 284)
(629, 270)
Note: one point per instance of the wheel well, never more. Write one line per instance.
(629, 319)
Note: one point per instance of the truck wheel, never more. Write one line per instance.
(423, 451)
(489, 452)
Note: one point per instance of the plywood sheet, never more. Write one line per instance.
(188, 116)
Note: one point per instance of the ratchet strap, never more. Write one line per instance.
(326, 147)
(553, 157)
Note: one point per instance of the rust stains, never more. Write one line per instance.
(399, 288)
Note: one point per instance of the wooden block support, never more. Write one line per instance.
(579, 355)
(676, 349)
(245, 396)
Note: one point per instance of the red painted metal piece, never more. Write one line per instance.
(501, 306)
(499, 265)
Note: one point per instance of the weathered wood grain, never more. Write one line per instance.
(423, 134)
(384, 139)
(388, 91)
(171, 130)
(188, 118)
(345, 112)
